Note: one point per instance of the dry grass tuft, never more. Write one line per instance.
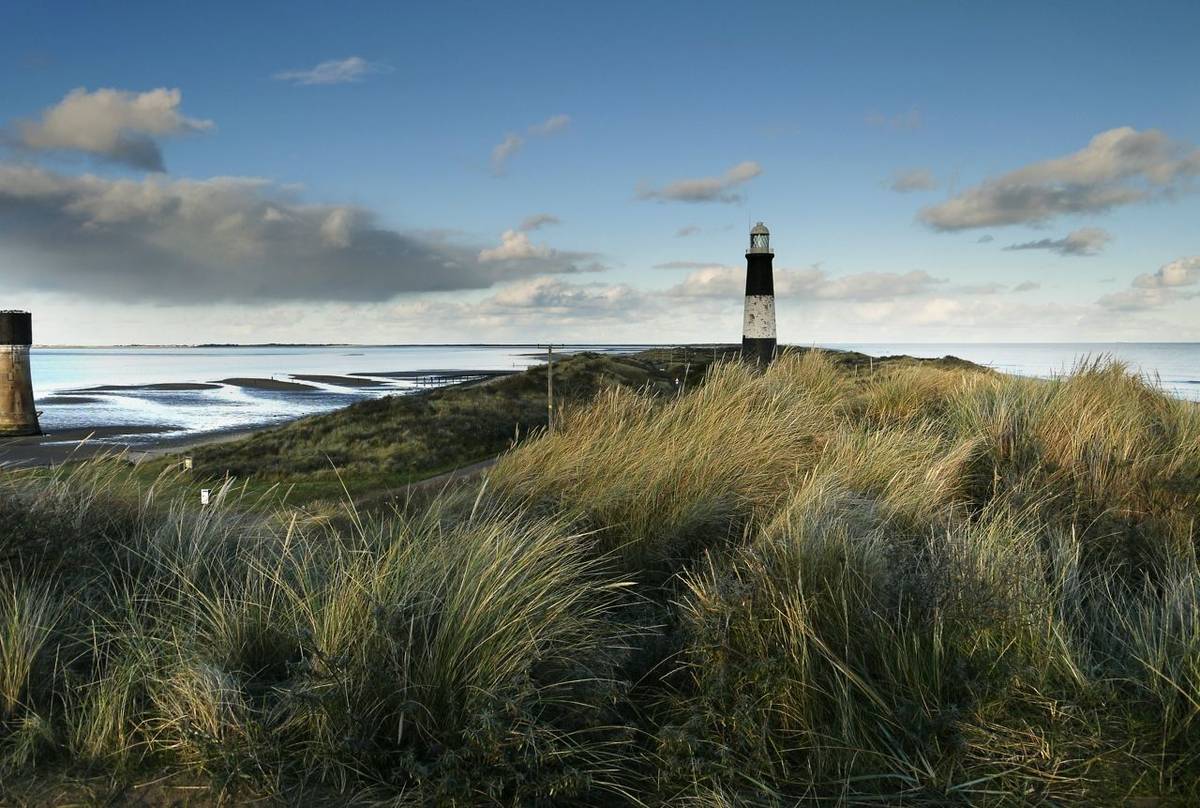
(812, 585)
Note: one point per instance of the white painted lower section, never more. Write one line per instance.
(758, 322)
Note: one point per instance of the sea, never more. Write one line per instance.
(66, 379)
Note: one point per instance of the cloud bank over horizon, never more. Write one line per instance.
(230, 239)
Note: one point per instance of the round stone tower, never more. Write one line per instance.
(17, 415)
(758, 321)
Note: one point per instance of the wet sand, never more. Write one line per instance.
(272, 385)
(142, 441)
(116, 388)
(68, 445)
(339, 381)
(69, 399)
(449, 374)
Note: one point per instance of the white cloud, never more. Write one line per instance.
(1182, 272)
(530, 309)
(1117, 167)
(709, 309)
(913, 179)
(567, 309)
(1158, 289)
(705, 189)
(334, 71)
(937, 310)
(1088, 241)
(687, 265)
(728, 282)
(689, 230)
(551, 295)
(514, 246)
(115, 125)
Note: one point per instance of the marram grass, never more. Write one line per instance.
(813, 585)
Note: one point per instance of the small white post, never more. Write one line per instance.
(187, 463)
(205, 496)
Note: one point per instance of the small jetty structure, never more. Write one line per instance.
(758, 320)
(17, 413)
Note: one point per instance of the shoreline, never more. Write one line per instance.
(138, 442)
(73, 438)
(69, 445)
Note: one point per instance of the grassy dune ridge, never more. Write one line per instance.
(826, 584)
(387, 442)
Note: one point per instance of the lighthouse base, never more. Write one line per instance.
(759, 350)
(18, 417)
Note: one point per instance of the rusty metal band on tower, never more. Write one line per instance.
(17, 413)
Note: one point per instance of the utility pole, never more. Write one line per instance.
(550, 388)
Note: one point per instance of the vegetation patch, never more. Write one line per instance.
(838, 581)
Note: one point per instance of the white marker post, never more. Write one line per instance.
(205, 496)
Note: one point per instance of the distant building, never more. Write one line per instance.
(17, 415)
(758, 321)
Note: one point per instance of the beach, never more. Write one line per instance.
(144, 401)
(279, 400)
(135, 442)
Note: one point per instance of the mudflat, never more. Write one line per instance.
(113, 388)
(64, 446)
(273, 385)
(340, 381)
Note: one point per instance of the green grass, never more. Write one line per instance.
(379, 445)
(374, 448)
(838, 582)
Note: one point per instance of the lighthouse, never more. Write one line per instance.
(758, 321)
(17, 415)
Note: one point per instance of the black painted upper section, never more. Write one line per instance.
(760, 279)
(16, 328)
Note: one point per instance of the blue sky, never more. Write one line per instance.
(366, 201)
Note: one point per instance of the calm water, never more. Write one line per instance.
(69, 372)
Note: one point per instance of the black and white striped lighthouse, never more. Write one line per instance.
(758, 322)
